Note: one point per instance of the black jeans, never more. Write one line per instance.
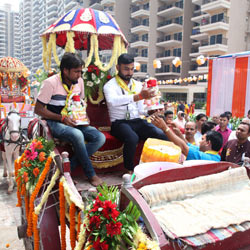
(130, 132)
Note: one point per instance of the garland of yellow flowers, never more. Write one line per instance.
(72, 221)
(99, 98)
(62, 216)
(69, 47)
(91, 51)
(124, 86)
(49, 50)
(35, 192)
(82, 235)
(53, 38)
(116, 45)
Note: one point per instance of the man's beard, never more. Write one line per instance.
(125, 78)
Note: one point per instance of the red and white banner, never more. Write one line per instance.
(229, 85)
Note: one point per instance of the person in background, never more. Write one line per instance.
(248, 114)
(209, 146)
(207, 126)
(125, 98)
(232, 136)
(52, 99)
(180, 121)
(200, 119)
(216, 119)
(191, 108)
(223, 129)
(169, 117)
(181, 107)
(229, 114)
(234, 149)
(190, 131)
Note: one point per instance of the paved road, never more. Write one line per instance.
(9, 217)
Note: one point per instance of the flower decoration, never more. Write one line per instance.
(35, 156)
(107, 226)
(22, 81)
(94, 80)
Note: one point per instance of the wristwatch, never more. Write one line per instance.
(167, 129)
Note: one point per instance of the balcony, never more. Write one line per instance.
(215, 48)
(107, 2)
(165, 56)
(197, 2)
(215, 5)
(170, 26)
(208, 25)
(138, 42)
(175, 9)
(95, 4)
(198, 16)
(170, 71)
(139, 1)
(139, 11)
(197, 35)
(141, 59)
(109, 10)
(169, 41)
(140, 26)
(194, 52)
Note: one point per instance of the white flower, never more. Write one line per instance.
(93, 76)
(85, 77)
(102, 75)
(90, 84)
(97, 81)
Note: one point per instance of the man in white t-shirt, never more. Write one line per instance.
(124, 98)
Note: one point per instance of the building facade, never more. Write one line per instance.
(155, 29)
(9, 32)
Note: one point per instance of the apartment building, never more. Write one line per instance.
(9, 32)
(155, 29)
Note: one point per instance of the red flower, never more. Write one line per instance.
(94, 221)
(36, 172)
(109, 209)
(97, 204)
(109, 77)
(114, 228)
(97, 71)
(97, 245)
(91, 68)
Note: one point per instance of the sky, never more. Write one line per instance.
(14, 3)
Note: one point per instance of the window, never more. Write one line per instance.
(146, 6)
(168, 37)
(144, 38)
(173, 97)
(216, 39)
(166, 68)
(178, 36)
(199, 97)
(217, 18)
(144, 68)
(167, 53)
(176, 69)
(177, 52)
(145, 22)
(144, 52)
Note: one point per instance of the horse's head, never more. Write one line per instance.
(14, 125)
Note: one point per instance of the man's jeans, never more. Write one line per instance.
(77, 137)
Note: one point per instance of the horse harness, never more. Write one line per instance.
(4, 126)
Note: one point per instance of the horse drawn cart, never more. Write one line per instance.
(62, 200)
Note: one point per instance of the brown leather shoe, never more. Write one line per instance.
(95, 181)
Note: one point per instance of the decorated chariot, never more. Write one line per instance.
(163, 206)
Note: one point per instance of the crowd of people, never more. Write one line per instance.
(199, 139)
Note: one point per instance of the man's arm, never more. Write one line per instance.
(159, 122)
(42, 111)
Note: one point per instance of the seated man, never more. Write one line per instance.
(209, 146)
(51, 102)
(124, 98)
(234, 149)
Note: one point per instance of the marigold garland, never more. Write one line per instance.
(26, 202)
(18, 166)
(72, 211)
(62, 216)
(69, 47)
(54, 48)
(82, 235)
(36, 232)
(35, 192)
(49, 50)
(78, 224)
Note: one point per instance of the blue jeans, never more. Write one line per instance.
(130, 132)
(77, 137)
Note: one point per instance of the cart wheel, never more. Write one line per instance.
(21, 230)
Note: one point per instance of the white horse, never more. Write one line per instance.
(12, 140)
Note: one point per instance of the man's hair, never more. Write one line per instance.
(228, 113)
(215, 138)
(247, 124)
(223, 115)
(70, 61)
(207, 126)
(248, 112)
(195, 125)
(125, 59)
(199, 116)
(168, 112)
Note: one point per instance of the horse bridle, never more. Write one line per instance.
(20, 131)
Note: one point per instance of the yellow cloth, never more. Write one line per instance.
(124, 86)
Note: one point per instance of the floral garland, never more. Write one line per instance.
(72, 211)
(62, 216)
(94, 80)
